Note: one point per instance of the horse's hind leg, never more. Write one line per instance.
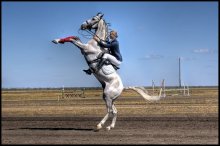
(108, 104)
(99, 126)
(111, 92)
(114, 113)
(111, 110)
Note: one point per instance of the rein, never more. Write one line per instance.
(92, 33)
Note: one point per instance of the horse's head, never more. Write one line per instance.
(92, 23)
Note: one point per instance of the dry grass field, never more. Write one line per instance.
(49, 103)
(43, 117)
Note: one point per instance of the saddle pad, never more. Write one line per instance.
(108, 69)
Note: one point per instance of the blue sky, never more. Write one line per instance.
(152, 36)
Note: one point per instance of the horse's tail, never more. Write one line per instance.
(144, 94)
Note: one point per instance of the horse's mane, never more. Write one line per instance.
(107, 27)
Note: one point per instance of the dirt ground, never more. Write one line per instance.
(128, 130)
(172, 120)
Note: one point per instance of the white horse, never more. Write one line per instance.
(111, 82)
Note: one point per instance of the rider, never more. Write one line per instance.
(114, 57)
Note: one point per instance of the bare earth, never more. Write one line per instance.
(173, 120)
(129, 130)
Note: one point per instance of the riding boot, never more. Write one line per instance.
(88, 71)
(100, 64)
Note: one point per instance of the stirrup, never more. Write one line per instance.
(100, 64)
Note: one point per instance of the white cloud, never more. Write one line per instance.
(188, 58)
(152, 56)
(201, 50)
(204, 51)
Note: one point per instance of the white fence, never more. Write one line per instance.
(173, 91)
(71, 94)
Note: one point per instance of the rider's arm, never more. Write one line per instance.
(107, 44)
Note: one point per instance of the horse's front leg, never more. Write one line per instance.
(80, 45)
(72, 39)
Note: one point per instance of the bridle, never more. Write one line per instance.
(93, 33)
(89, 27)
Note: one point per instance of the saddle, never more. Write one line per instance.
(107, 62)
(100, 64)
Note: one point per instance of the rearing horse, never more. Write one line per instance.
(111, 82)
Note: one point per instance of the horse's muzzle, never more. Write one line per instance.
(83, 27)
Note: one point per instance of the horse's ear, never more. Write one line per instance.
(100, 14)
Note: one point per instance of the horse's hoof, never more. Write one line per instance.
(99, 127)
(108, 128)
(56, 41)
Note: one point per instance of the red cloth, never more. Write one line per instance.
(68, 39)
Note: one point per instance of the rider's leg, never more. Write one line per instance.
(105, 57)
(108, 57)
(112, 59)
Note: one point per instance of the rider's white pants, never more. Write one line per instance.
(112, 59)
